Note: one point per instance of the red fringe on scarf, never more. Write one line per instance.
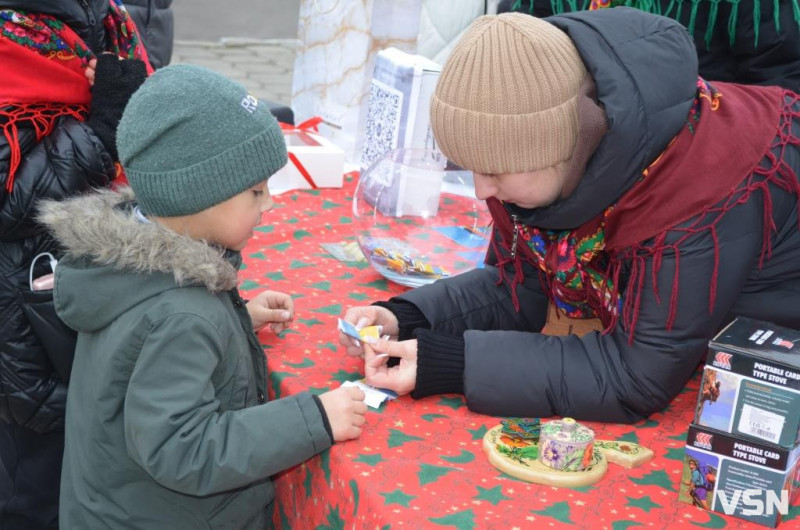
(772, 169)
(42, 82)
(41, 116)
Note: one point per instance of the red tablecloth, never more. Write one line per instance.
(420, 464)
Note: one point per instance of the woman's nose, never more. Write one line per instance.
(484, 187)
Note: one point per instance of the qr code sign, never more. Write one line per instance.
(383, 121)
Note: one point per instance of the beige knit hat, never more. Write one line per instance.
(506, 101)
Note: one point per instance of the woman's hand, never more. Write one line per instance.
(363, 316)
(273, 308)
(401, 378)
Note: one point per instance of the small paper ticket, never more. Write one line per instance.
(373, 396)
(360, 334)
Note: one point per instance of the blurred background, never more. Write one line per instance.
(211, 20)
(251, 41)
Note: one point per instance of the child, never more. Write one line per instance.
(168, 424)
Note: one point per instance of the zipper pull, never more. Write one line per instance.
(238, 301)
(89, 12)
(514, 240)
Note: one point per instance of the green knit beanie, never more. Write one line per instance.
(191, 138)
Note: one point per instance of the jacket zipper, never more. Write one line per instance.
(237, 300)
(241, 306)
(92, 21)
(514, 240)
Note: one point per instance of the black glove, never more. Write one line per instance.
(115, 81)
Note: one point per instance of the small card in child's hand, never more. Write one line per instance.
(373, 396)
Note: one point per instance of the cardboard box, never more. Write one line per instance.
(312, 159)
(751, 383)
(398, 113)
(737, 476)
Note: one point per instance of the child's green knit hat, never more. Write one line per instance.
(191, 138)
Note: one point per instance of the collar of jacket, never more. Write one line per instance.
(93, 227)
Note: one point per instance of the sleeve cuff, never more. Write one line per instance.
(440, 364)
(409, 317)
(325, 422)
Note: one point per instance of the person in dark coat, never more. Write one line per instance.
(57, 139)
(748, 41)
(621, 186)
(155, 21)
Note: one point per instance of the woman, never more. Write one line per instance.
(621, 186)
(58, 139)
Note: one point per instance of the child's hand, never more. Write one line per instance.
(371, 315)
(271, 307)
(345, 408)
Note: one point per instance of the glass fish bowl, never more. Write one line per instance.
(417, 217)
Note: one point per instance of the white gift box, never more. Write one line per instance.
(314, 162)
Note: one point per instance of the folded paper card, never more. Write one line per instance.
(373, 396)
(359, 333)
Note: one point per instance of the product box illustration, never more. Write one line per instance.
(738, 476)
(751, 383)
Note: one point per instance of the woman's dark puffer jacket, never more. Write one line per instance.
(70, 160)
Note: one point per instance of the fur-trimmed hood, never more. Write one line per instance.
(113, 260)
